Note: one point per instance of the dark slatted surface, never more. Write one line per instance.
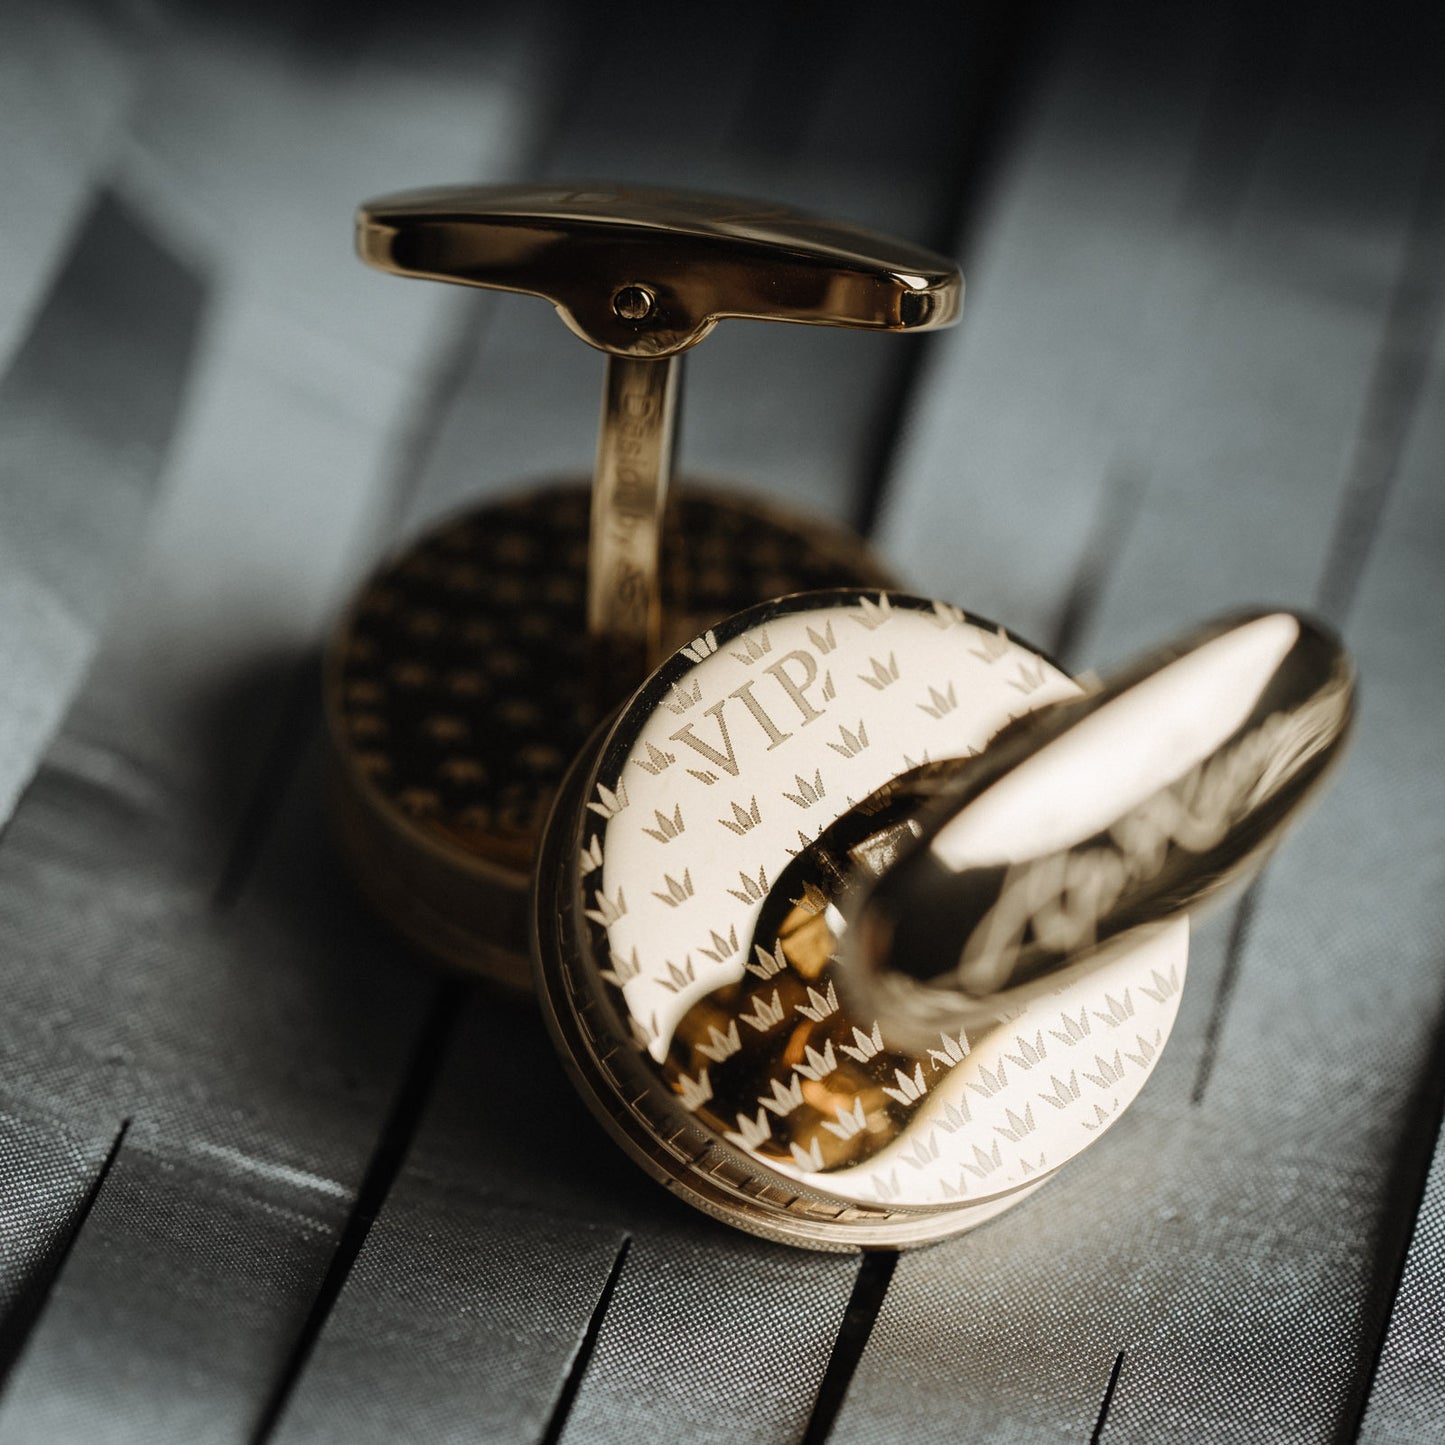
(263, 1175)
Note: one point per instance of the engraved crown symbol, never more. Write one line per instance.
(850, 743)
(883, 674)
(682, 697)
(667, 828)
(743, 818)
(755, 645)
(701, 647)
(656, 760)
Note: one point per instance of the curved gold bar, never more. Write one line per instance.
(644, 272)
(1091, 821)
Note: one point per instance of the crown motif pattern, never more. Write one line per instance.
(722, 948)
(991, 645)
(850, 743)
(721, 1044)
(623, 970)
(683, 696)
(701, 647)
(764, 1015)
(675, 891)
(756, 645)
(589, 857)
(678, 978)
(1030, 1052)
(1110, 1071)
(743, 819)
(820, 1006)
(667, 828)
(850, 1121)
(607, 910)
(954, 1050)
(785, 1098)
(608, 804)
(817, 1065)
(769, 965)
(750, 1133)
(753, 890)
(864, 1046)
(656, 760)
(873, 615)
(909, 1087)
(808, 793)
(940, 704)
(808, 1096)
(1029, 677)
(694, 1093)
(884, 674)
(823, 641)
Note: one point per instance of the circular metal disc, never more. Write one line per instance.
(457, 693)
(686, 954)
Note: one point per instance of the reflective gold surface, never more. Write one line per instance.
(688, 935)
(629, 493)
(702, 874)
(1104, 817)
(648, 272)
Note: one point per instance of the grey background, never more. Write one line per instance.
(266, 1175)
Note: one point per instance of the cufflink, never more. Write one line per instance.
(475, 663)
(862, 918)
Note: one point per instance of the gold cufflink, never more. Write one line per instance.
(863, 919)
(475, 663)
(860, 918)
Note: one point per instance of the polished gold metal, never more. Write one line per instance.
(474, 664)
(1094, 821)
(644, 272)
(629, 494)
(698, 898)
(644, 275)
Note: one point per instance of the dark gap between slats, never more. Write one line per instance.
(566, 1397)
(1009, 48)
(17, 1328)
(392, 1144)
(1224, 990)
(1409, 1175)
(1123, 496)
(1392, 401)
(1107, 1402)
(278, 765)
(870, 1288)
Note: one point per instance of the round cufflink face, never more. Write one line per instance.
(687, 932)
(457, 692)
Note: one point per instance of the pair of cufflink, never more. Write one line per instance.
(852, 916)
